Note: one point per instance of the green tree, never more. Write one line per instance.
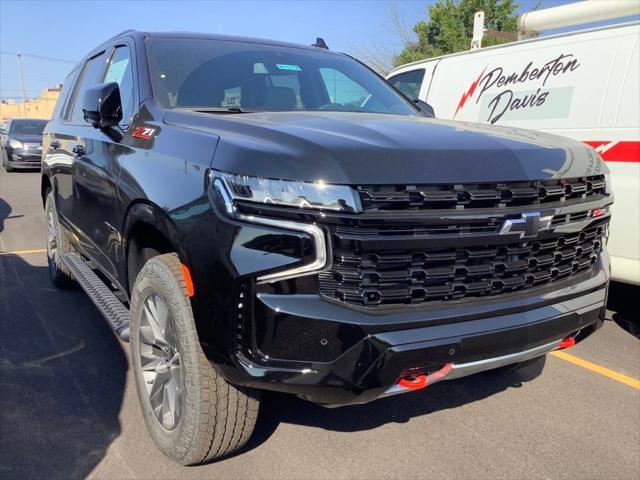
(450, 27)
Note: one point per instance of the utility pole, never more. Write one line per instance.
(24, 98)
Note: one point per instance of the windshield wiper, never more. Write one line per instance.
(217, 109)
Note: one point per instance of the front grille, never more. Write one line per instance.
(403, 274)
(482, 195)
(471, 226)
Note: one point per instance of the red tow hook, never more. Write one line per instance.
(415, 383)
(421, 381)
(567, 343)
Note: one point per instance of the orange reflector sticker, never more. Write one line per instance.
(187, 280)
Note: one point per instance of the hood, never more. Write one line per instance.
(26, 138)
(367, 149)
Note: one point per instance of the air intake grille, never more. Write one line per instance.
(401, 276)
(482, 195)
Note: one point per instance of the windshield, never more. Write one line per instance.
(28, 127)
(220, 75)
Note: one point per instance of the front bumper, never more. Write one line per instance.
(19, 158)
(289, 336)
(469, 338)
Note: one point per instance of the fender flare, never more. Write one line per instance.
(143, 211)
(45, 179)
(154, 216)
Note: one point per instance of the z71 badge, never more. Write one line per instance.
(143, 132)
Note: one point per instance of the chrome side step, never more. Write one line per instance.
(111, 308)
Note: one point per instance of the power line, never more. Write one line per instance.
(39, 57)
(30, 79)
(15, 90)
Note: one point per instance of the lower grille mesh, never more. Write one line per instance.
(413, 277)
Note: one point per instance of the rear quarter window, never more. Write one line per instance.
(342, 89)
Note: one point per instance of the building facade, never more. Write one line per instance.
(41, 107)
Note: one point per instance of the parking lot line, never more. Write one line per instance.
(632, 382)
(24, 252)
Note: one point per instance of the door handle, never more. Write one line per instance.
(55, 144)
(79, 150)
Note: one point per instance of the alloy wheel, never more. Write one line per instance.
(52, 240)
(160, 361)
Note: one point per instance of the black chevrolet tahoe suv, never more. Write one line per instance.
(254, 215)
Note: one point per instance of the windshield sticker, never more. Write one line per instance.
(290, 68)
(232, 97)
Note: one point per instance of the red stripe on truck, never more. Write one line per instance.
(617, 151)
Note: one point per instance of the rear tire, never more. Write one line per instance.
(57, 244)
(198, 416)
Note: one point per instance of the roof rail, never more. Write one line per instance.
(128, 30)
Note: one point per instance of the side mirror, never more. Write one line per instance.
(101, 105)
(426, 108)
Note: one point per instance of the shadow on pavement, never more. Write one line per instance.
(62, 377)
(623, 301)
(5, 211)
(281, 408)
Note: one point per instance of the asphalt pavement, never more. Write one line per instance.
(68, 406)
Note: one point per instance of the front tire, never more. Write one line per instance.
(6, 163)
(192, 414)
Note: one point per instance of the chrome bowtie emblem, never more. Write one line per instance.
(528, 225)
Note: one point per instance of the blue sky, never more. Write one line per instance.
(69, 29)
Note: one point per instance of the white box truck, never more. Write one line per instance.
(583, 84)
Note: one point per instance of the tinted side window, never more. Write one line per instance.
(89, 76)
(409, 83)
(120, 71)
(63, 99)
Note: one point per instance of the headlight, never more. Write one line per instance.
(15, 144)
(313, 195)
